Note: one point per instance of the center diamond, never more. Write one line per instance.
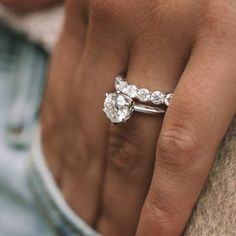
(118, 107)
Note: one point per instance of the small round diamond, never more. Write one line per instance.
(157, 97)
(131, 91)
(120, 84)
(143, 95)
(168, 99)
(118, 107)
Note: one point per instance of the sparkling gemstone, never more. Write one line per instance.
(118, 107)
(131, 91)
(157, 97)
(120, 84)
(143, 95)
(168, 99)
(120, 101)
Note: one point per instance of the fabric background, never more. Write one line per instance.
(215, 212)
(21, 84)
(42, 26)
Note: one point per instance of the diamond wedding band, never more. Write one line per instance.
(143, 94)
(120, 105)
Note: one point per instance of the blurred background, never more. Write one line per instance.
(26, 41)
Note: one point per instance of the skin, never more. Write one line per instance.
(142, 177)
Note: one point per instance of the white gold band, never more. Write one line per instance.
(119, 107)
(148, 109)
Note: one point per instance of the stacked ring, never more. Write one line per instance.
(120, 105)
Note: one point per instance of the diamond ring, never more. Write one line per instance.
(142, 94)
(119, 107)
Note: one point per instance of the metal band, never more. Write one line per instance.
(118, 107)
(148, 109)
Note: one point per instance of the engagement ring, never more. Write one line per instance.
(120, 105)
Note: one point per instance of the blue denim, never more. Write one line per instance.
(19, 215)
(30, 202)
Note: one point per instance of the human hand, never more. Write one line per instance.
(107, 173)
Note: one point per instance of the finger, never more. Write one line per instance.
(132, 146)
(104, 55)
(63, 66)
(196, 121)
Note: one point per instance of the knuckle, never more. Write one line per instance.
(178, 148)
(123, 158)
(124, 154)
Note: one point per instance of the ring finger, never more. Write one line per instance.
(132, 146)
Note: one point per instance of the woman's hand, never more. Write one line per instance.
(107, 173)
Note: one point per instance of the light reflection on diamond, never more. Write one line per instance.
(143, 95)
(120, 84)
(131, 91)
(168, 99)
(118, 107)
(157, 97)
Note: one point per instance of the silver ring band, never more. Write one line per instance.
(148, 109)
(142, 94)
(119, 107)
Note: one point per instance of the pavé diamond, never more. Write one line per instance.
(157, 97)
(120, 84)
(118, 107)
(143, 95)
(168, 99)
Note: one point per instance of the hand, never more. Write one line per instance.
(107, 173)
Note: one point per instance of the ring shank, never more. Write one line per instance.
(148, 109)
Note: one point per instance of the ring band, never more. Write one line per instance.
(148, 109)
(119, 107)
(143, 94)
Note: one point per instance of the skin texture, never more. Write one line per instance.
(142, 177)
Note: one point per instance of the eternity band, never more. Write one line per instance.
(142, 94)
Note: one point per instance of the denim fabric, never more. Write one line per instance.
(30, 203)
(19, 215)
(63, 219)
